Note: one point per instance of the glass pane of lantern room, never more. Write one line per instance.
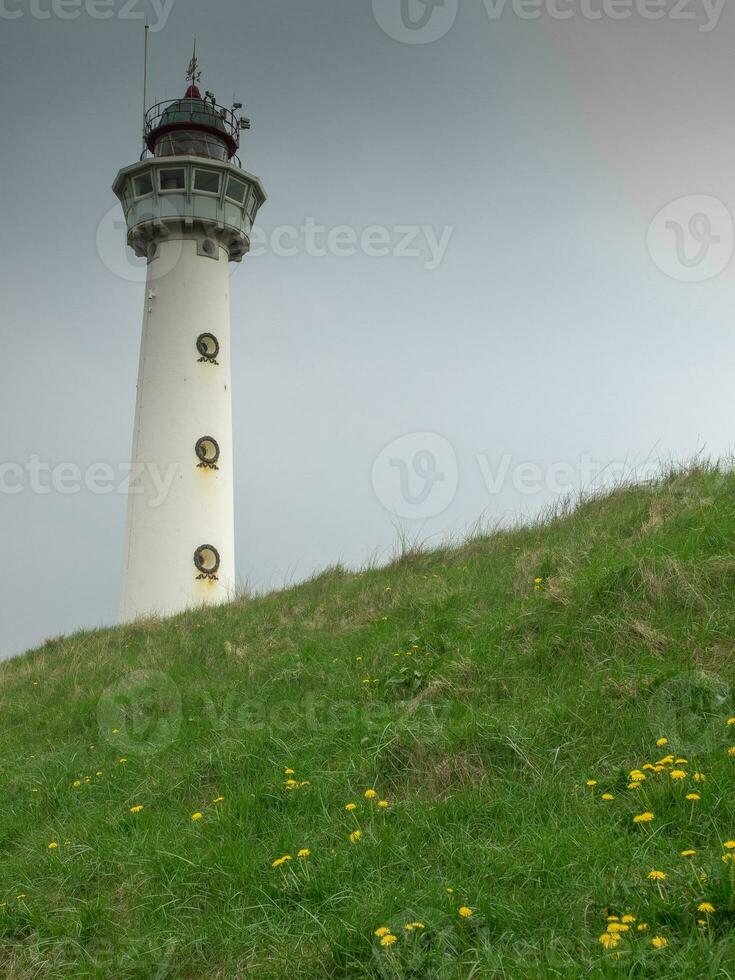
(206, 180)
(236, 189)
(173, 180)
(188, 143)
(143, 185)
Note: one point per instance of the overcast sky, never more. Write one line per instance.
(527, 307)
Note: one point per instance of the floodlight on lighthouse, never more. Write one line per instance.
(188, 218)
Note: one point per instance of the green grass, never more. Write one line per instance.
(477, 704)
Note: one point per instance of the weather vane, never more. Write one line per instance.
(192, 72)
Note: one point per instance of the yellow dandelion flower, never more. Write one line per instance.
(731, 751)
(304, 852)
(370, 794)
(617, 927)
(642, 927)
(690, 852)
(592, 782)
(350, 806)
(197, 816)
(288, 772)
(53, 845)
(728, 857)
(218, 799)
(98, 773)
(730, 845)
(281, 860)
(659, 767)
(644, 817)
(381, 931)
(662, 741)
(304, 782)
(137, 808)
(122, 761)
(659, 942)
(699, 777)
(678, 774)
(628, 918)
(609, 940)
(465, 912)
(731, 721)
(613, 918)
(355, 836)
(693, 797)
(634, 785)
(291, 783)
(657, 875)
(388, 939)
(702, 922)
(450, 891)
(649, 765)
(706, 907)
(383, 804)
(681, 762)
(667, 760)
(77, 783)
(637, 774)
(607, 796)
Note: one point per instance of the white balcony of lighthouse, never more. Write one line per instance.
(192, 182)
(166, 195)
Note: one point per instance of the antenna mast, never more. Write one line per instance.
(145, 76)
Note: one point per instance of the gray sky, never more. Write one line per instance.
(552, 331)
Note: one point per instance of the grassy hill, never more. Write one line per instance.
(475, 690)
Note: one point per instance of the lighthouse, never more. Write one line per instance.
(189, 208)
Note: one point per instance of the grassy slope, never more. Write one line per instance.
(481, 734)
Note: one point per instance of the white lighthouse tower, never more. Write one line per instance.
(189, 208)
